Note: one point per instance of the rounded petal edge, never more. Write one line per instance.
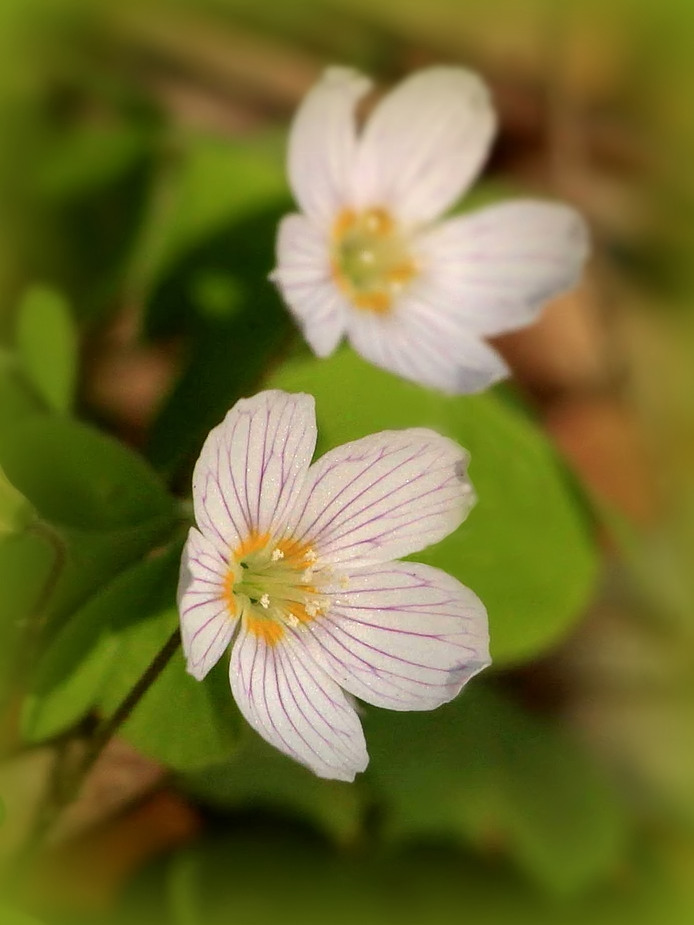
(403, 636)
(206, 623)
(322, 143)
(494, 269)
(383, 496)
(294, 705)
(304, 278)
(252, 464)
(425, 143)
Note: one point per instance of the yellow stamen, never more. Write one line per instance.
(270, 584)
(268, 630)
(298, 555)
(228, 593)
(253, 542)
(371, 262)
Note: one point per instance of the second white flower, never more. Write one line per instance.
(366, 259)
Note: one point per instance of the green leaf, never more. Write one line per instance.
(237, 328)
(106, 505)
(260, 776)
(218, 183)
(183, 723)
(526, 548)
(484, 770)
(70, 675)
(89, 158)
(210, 283)
(180, 722)
(15, 511)
(93, 558)
(78, 477)
(26, 561)
(12, 916)
(18, 401)
(47, 346)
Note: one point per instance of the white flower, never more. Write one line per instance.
(367, 260)
(293, 564)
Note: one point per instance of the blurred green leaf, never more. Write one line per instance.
(94, 557)
(15, 511)
(11, 916)
(18, 402)
(217, 184)
(280, 874)
(486, 771)
(25, 565)
(258, 776)
(78, 477)
(101, 652)
(106, 505)
(47, 346)
(526, 548)
(237, 327)
(90, 157)
(70, 674)
(90, 194)
(209, 281)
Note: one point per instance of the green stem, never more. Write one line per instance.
(68, 776)
(35, 624)
(108, 728)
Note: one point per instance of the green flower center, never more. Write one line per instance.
(371, 260)
(271, 586)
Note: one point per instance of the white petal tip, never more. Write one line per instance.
(345, 775)
(338, 75)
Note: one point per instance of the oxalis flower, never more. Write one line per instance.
(368, 259)
(292, 565)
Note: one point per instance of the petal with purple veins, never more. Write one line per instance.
(404, 636)
(292, 702)
(381, 497)
(252, 465)
(207, 624)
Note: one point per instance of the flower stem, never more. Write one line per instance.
(69, 775)
(28, 645)
(107, 729)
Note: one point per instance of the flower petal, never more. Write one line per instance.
(425, 143)
(251, 466)
(493, 270)
(403, 636)
(382, 497)
(206, 624)
(293, 704)
(304, 278)
(322, 144)
(424, 344)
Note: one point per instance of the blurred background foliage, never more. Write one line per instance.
(141, 181)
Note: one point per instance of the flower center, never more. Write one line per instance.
(271, 586)
(371, 261)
